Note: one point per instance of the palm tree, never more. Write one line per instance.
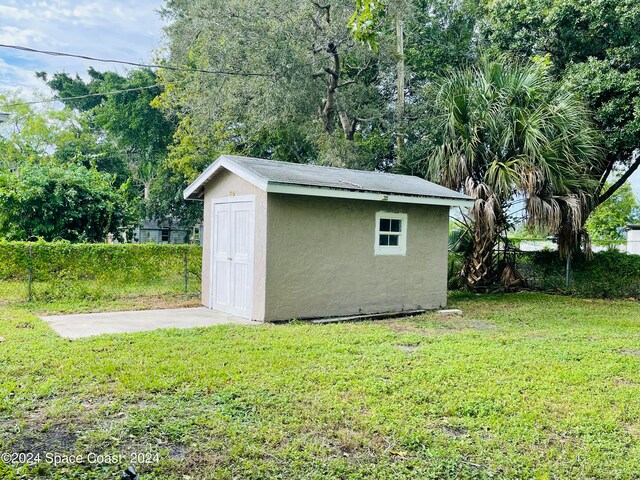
(505, 133)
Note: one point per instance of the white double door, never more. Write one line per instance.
(232, 272)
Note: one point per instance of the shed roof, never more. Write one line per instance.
(305, 179)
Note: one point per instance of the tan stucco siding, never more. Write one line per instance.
(226, 184)
(321, 261)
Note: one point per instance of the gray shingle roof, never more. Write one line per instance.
(283, 173)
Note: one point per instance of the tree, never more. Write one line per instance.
(287, 63)
(439, 34)
(365, 25)
(608, 220)
(595, 47)
(503, 132)
(55, 202)
(432, 37)
(56, 179)
(29, 135)
(138, 134)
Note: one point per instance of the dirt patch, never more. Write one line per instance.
(350, 444)
(455, 431)
(403, 328)
(163, 302)
(35, 433)
(407, 328)
(101, 424)
(631, 352)
(448, 318)
(407, 348)
(56, 437)
(442, 323)
(624, 381)
(633, 431)
(457, 323)
(199, 461)
(481, 325)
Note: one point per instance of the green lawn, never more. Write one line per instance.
(520, 386)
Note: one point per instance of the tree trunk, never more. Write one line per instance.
(328, 103)
(478, 265)
(348, 125)
(635, 163)
(400, 84)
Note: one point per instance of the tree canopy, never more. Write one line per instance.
(595, 47)
(302, 87)
(135, 133)
(56, 182)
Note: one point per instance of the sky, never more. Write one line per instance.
(119, 29)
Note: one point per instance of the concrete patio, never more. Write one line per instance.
(89, 324)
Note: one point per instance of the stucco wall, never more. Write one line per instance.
(226, 184)
(321, 262)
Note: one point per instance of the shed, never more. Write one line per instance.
(285, 240)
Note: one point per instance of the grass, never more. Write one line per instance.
(520, 386)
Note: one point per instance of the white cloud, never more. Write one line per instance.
(14, 35)
(13, 13)
(15, 79)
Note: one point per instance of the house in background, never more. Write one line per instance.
(157, 232)
(283, 240)
(633, 239)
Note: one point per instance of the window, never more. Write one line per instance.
(391, 233)
(165, 235)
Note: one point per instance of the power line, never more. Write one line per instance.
(134, 64)
(78, 97)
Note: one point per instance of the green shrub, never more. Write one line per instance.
(609, 274)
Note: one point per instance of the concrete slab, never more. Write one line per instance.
(89, 324)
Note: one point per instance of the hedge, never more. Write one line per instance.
(63, 269)
(608, 274)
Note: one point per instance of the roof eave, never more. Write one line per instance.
(292, 189)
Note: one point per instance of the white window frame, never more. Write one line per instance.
(401, 248)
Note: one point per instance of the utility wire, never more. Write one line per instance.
(78, 97)
(124, 62)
